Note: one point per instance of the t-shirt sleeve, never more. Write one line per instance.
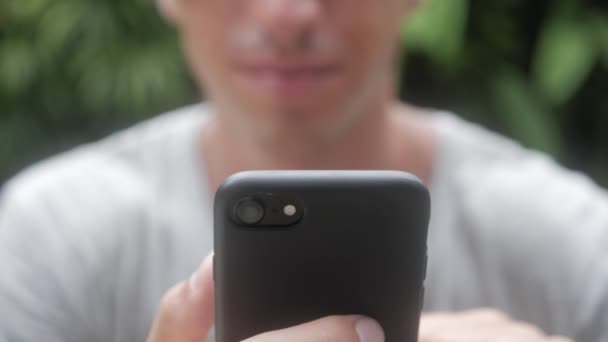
(521, 234)
(45, 292)
(544, 245)
(591, 295)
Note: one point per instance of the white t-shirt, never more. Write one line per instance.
(91, 239)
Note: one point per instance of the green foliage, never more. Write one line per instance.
(443, 41)
(534, 70)
(74, 70)
(566, 55)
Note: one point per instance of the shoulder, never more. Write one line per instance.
(92, 221)
(100, 180)
(523, 214)
(498, 180)
(534, 229)
(519, 202)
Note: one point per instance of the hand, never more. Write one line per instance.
(186, 315)
(477, 326)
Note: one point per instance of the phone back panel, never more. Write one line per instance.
(359, 248)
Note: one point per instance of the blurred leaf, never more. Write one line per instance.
(600, 28)
(17, 65)
(501, 28)
(17, 134)
(24, 10)
(564, 58)
(522, 114)
(58, 26)
(438, 29)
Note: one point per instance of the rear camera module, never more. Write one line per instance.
(249, 211)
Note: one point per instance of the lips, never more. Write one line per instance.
(289, 73)
(288, 78)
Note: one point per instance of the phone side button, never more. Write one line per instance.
(213, 265)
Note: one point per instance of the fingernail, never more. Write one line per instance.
(369, 330)
(196, 279)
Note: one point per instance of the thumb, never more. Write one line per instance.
(332, 328)
(186, 310)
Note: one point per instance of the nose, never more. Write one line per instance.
(288, 20)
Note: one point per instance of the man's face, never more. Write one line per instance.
(291, 60)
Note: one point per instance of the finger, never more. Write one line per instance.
(432, 322)
(333, 328)
(559, 339)
(516, 331)
(186, 311)
(462, 321)
(485, 315)
(478, 325)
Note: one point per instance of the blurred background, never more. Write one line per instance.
(72, 71)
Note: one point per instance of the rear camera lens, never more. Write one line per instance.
(249, 211)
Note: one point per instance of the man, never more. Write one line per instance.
(90, 240)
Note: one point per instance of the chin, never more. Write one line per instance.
(298, 123)
(272, 112)
(290, 113)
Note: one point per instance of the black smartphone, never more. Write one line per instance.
(295, 246)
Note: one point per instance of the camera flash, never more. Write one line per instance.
(289, 210)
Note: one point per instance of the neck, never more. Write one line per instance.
(384, 139)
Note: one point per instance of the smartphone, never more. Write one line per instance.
(295, 246)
